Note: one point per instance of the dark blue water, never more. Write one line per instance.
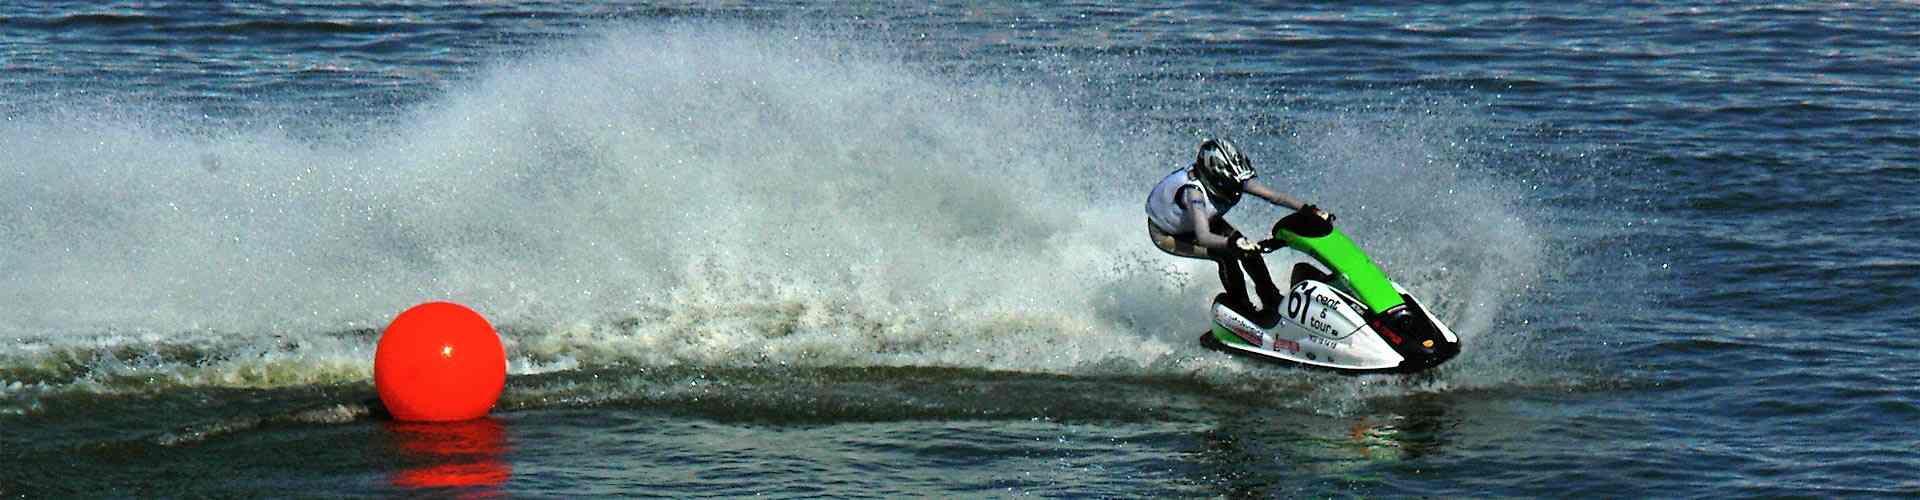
(886, 250)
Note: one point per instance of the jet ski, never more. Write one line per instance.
(1340, 313)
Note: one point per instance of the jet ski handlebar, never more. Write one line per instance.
(1309, 222)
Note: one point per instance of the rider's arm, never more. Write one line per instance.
(1254, 187)
(1203, 232)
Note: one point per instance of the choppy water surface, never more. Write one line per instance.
(879, 250)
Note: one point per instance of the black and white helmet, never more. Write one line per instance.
(1222, 168)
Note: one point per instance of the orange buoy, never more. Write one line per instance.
(439, 362)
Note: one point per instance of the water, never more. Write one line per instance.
(883, 250)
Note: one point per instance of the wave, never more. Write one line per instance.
(680, 194)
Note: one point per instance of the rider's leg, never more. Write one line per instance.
(1236, 287)
(1263, 286)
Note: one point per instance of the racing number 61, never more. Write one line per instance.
(1299, 300)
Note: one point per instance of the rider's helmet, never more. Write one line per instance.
(1221, 169)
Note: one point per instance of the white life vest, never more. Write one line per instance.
(1165, 211)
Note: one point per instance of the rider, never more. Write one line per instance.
(1186, 217)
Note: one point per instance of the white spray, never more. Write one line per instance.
(683, 194)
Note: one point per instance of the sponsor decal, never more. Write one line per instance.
(1253, 335)
(1307, 305)
(1381, 327)
(1240, 328)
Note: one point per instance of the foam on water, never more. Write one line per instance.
(688, 194)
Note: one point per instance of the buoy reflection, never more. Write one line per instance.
(468, 454)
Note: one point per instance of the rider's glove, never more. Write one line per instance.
(1316, 211)
(1246, 246)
